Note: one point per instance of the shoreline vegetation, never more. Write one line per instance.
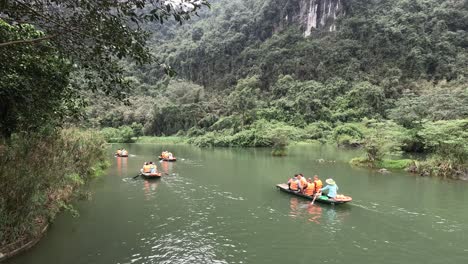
(42, 174)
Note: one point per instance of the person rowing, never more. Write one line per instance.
(331, 188)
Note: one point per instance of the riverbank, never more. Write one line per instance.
(161, 140)
(44, 173)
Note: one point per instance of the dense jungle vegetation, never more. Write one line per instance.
(391, 79)
(52, 55)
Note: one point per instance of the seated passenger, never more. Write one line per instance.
(331, 188)
(153, 167)
(310, 187)
(294, 184)
(119, 152)
(146, 168)
(303, 181)
(318, 184)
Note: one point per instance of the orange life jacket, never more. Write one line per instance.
(309, 190)
(303, 182)
(293, 184)
(318, 185)
(146, 168)
(119, 152)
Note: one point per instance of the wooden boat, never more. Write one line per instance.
(166, 159)
(121, 156)
(156, 175)
(321, 199)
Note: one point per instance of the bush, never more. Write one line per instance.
(226, 123)
(123, 134)
(447, 139)
(318, 130)
(195, 131)
(348, 135)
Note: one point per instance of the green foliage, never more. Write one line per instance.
(244, 98)
(137, 129)
(95, 36)
(399, 164)
(447, 139)
(318, 130)
(348, 135)
(383, 138)
(443, 101)
(33, 83)
(390, 164)
(280, 142)
(260, 134)
(40, 172)
(228, 122)
(162, 140)
(123, 134)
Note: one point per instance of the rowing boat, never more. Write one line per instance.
(321, 199)
(156, 175)
(167, 159)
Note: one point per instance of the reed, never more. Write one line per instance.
(39, 173)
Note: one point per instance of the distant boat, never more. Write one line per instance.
(167, 159)
(320, 199)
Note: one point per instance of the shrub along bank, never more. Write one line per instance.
(39, 174)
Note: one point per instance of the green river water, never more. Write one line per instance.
(221, 206)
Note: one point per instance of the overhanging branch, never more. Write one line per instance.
(26, 41)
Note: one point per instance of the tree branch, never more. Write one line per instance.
(26, 41)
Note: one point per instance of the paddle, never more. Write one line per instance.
(134, 177)
(315, 197)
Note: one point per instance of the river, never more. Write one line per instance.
(221, 206)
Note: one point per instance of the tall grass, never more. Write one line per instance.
(38, 174)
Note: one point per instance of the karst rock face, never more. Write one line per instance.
(312, 14)
(319, 14)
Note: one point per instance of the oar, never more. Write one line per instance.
(313, 200)
(134, 177)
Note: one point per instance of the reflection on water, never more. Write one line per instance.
(150, 187)
(166, 166)
(317, 213)
(122, 165)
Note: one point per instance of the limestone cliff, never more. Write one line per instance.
(311, 14)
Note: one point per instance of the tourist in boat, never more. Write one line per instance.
(331, 188)
(119, 152)
(153, 167)
(318, 184)
(295, 184)
(124, 152)
(146, 168)
(303, 181)
(170, 156)
(309, 189)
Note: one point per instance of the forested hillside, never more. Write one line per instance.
(252, 72)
